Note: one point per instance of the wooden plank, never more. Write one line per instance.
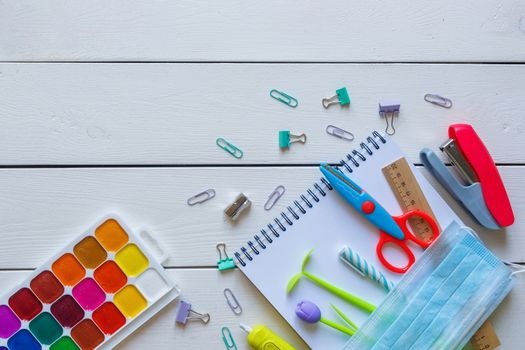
(172, 113)
(234, 30)
(43, 209)
(203, 288)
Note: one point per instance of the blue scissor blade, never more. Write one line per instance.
(355, 195)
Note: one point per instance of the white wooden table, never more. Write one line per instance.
(114, 106)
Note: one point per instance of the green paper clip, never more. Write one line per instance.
(227, 338)
(340, 97)
(230, 148)
(225, 262)
(284, 98)
(285, 138)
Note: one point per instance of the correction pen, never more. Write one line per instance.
(262, 338)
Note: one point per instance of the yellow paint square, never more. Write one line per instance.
(131, 260)
(129, 301)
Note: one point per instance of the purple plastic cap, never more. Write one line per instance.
(308, 311)
(184, 311)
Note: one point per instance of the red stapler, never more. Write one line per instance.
(482, 193)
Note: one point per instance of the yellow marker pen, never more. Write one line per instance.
(262, 338)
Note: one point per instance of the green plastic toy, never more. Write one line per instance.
(352, 299)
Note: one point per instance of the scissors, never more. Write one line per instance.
(393, 229)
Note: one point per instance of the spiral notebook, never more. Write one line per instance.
(321, 219)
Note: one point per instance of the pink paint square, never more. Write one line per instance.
(88, 294)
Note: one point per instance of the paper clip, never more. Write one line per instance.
(225, 262)
(184, 312)
(235, 209)
(285, 138)
(230, 148)
(201, 197)
(227, 338)
(438, 100)
(284, 98)
(386, 110)
(232, 301)
(338, 132)
(341, 97)
(274, 197)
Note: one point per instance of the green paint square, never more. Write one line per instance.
(45, 328)
(64, 343)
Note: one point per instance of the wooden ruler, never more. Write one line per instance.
(409, 195)
(485, 338)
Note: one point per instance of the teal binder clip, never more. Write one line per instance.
(340, 97)
(284, 98)
(225, 262)
(285, 138)
(229, 147)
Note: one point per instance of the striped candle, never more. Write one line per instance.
(355, 261)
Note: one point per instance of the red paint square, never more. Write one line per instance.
(25, 304)
(108, 318)
(110, 277)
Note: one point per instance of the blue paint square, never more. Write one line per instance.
(23, 340)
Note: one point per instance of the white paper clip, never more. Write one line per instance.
(438, 100)
(201, 197)
(274, 197)
(340, 133)
(232, 301)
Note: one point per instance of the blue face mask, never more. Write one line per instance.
(444, 298)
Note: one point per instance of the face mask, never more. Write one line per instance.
(444, 298)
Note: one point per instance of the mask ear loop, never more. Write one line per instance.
(519, 268)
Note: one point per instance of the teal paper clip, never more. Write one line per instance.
(340, 97)
(284, 98)
(227, 338)
(285, 138)
(230, 148)
(225, 262)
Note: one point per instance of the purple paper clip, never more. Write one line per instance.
(183, 314)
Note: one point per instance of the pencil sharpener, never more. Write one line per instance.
(240, 205)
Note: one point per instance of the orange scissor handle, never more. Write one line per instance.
(385, 238)
(402, 221)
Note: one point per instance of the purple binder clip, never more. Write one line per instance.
(389, 110)
(185, 314)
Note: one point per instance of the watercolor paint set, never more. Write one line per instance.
(91, 295)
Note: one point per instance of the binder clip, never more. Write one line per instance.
(482, 192)
(185, 314)
(285, 138)
(225, 262)
(389, 110)
(341, 97)
(235, 209)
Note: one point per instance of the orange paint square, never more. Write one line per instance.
(68, 270)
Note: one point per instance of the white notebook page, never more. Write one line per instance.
(327, 227)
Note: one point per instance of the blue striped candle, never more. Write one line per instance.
(358, 263)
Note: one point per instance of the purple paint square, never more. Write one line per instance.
(88, 294)
(9, 323)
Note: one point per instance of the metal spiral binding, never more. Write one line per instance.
(307, 201)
